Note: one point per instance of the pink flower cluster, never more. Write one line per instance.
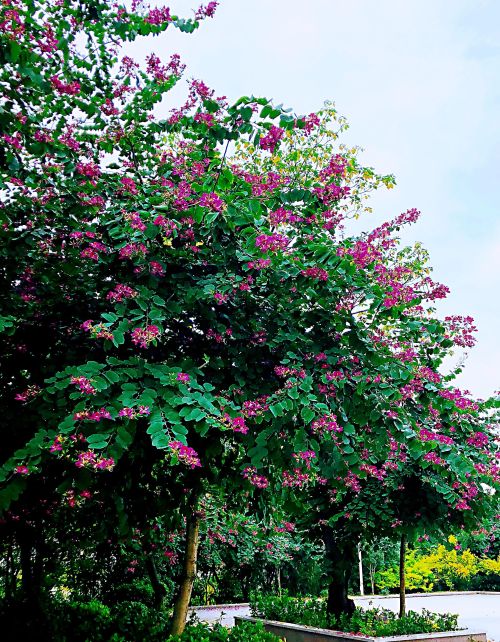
(434, 459)
(142, 337)
(21, 470)
(29, 393)
(238, 424)
(284, 371)
(461, 330)
(84, 385)
(373, 471)
(295, 478)
(128, 185)
(362, 253)
(281, 215)
(156, 269)
(262, 184)
(478, 439)
(93, 250)
(316, 273)
(132, 249)
(71, 88)
(120, 293)
(427, 435)
(255, 407)
(135, 221)
(92, 415)
(185, 454)
(311, 121)
(158, 16)
(272, 138)
(88, 459)
(211, 201)
(305, 456)
(134, 413)
(183, 377)
(168, 226)
(428, 374)
(325, 424)
(260, 264)
(98, 330)
(458, 399)
(220, 298)
(272, 242)
(331, 194)
(206, 11)
(207, 119)
(259, 481)
(90, 169)
(336, 167)
(351, 481)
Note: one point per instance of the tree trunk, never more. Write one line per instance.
(159, 590)
(340, 556)
(402, 577)
(189, 574)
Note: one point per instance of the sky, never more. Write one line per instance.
(419, 82)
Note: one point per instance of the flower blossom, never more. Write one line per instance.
(272, 138)
(142, 337)
(185, 454)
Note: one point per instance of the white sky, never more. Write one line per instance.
(419, 82)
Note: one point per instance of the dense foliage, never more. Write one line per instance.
(186, 319)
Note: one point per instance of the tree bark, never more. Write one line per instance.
(402, 577)
(189, 574)
(159, 590)
(340, 557)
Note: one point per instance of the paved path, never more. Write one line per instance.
(480, 612)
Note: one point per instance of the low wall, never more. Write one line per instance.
(299, 633)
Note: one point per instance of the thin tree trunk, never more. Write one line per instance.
(360, 567)
(159, 590)
(278, 577)
(402, 577)
(181, 605)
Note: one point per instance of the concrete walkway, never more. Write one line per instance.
(477, 611)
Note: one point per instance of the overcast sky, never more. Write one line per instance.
(419, 82)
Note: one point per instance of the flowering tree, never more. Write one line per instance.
(176, 318)
(395, 448)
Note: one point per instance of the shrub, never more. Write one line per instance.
(136, 621)
(203, 632)
(80, 621)
(136, 591)
(297, 610)
(312, 612)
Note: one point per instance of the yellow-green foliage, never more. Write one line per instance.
(447, 567)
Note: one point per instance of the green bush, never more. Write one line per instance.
(80, 621)
(312, 612)
(246, 631)
(297, 610)
(135, 591)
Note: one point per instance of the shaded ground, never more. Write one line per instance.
(478, 612)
